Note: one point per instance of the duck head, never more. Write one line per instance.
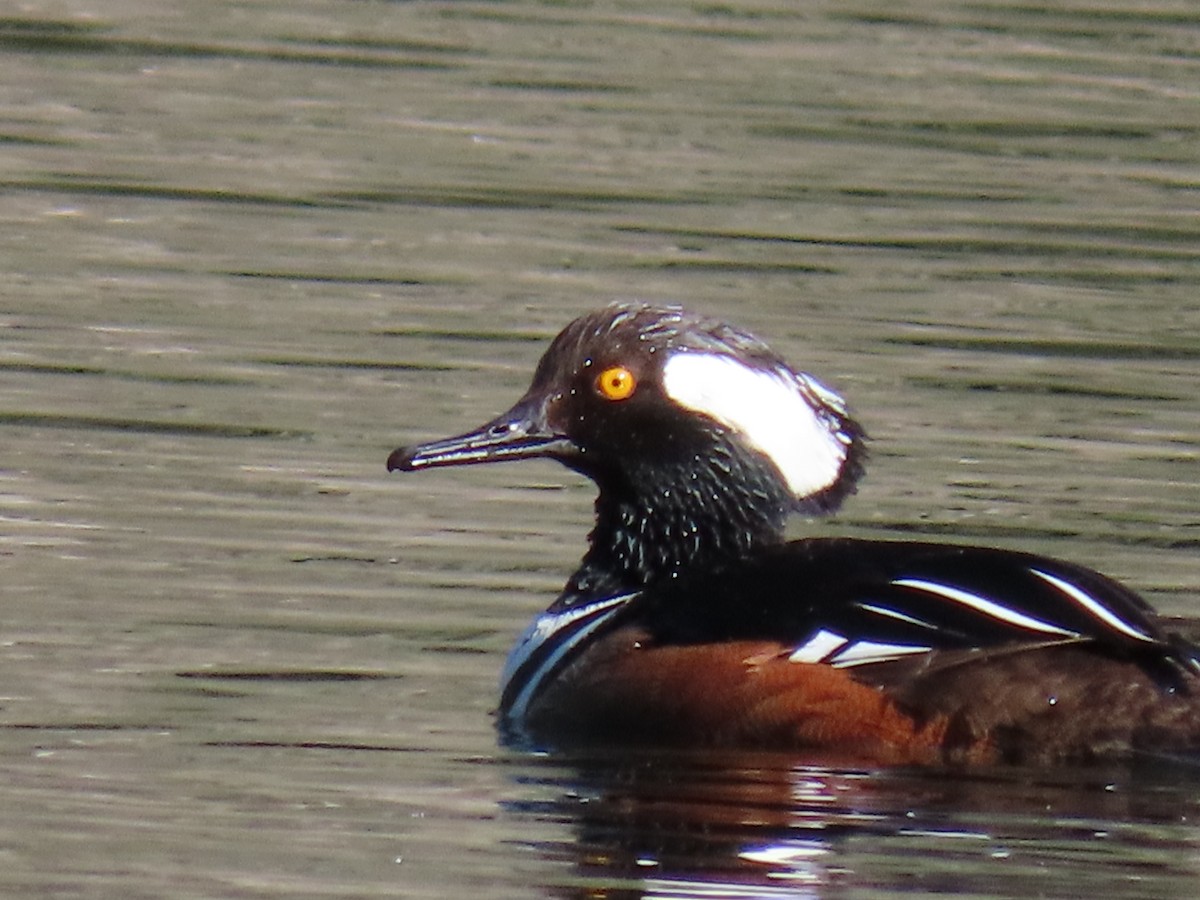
(700, 439)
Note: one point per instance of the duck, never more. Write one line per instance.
(692, 621)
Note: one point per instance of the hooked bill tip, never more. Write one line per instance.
(401, 460)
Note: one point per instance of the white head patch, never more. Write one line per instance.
(776, 411)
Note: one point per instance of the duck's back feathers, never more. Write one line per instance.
(852, 603)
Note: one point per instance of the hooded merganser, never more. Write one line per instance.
(691, 621)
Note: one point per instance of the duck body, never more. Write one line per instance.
(690, 620)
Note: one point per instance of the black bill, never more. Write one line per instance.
(521, 433)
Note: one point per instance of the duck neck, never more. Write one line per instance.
(652, 526)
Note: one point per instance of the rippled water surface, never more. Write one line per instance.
(251, 247)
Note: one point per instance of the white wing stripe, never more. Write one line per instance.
(862, 652)
(1094, 606)
(896, 614)
(985, 606)
(543, 629)
(831, 647)
(818, 647)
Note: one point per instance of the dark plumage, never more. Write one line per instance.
(690, 620)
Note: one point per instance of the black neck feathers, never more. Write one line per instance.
(653, 523)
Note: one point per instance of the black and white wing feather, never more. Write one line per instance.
(850, 603)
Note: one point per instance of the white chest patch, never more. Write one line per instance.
(776, 412)
(554, 635)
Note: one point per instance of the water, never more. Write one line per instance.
(250, 248)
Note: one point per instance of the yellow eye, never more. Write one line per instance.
(615, 383)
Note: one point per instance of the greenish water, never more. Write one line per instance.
(252, 247)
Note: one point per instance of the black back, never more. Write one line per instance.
(908, 597)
